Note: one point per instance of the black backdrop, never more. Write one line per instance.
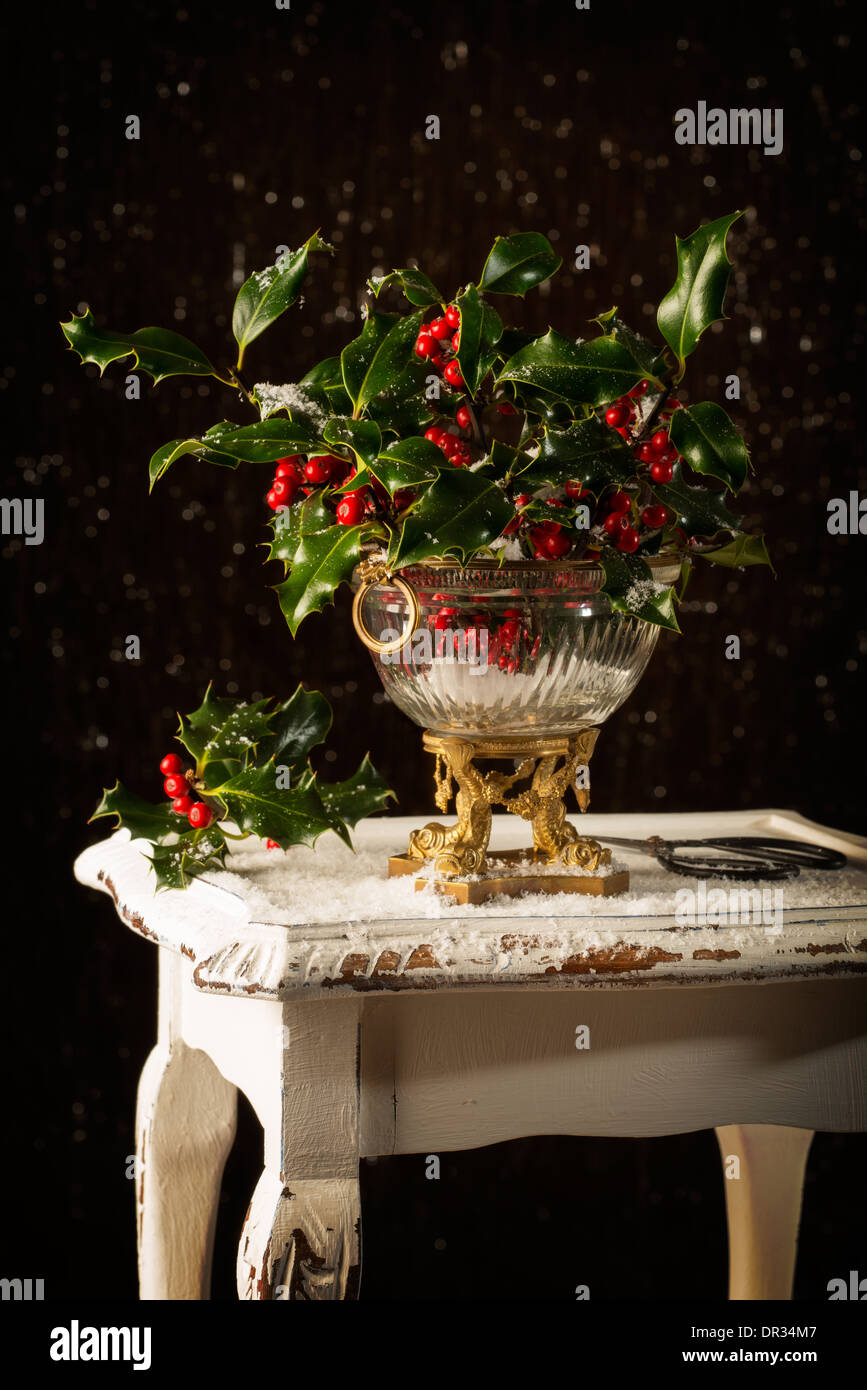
(256, 128)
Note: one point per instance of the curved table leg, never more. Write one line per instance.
(301, 1242)
(763, 1205)
(185, 1124)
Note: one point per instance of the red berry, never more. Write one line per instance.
(575, 490)
(616, 415)
(557, 544)
(176, 786)
(506, 408)
(171, 763)
(449, 442)
(453, 316)
(615, 522)
(200, 815)
(282, 489)
(425, 346)
(436, 359)
(274, 502)
(319, 469)
(439, 328)
(182, 804)
(628, 540)
(291, 467)
(456, 341)
(464, 418)
(659, 442)
(522, 499)
(540, 553)
(404, 497)
(654, 517)
(271, 844)
(350, 510)
(646, 454)
(662, 472)
(434, 434)
(508, 632)
(444, 617)
(672, 404)
(620, 502)
(639, 389)
(452, 374)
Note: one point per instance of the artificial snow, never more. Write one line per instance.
(288, 396)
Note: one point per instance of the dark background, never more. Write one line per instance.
(257, 128)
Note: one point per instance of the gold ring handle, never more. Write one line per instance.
(373, 643)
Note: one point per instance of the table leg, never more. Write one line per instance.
(763, 1205)
(185, 1125)
(301, 1238)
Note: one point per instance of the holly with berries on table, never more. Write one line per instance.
(440, 432)
(245, 770)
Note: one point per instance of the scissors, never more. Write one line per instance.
(734, 856)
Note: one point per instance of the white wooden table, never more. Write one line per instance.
(421, 1034)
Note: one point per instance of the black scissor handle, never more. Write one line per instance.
(800, 852)
(743, 865)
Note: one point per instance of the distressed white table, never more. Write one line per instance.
(420, 1034)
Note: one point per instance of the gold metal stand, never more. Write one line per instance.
(460, 851)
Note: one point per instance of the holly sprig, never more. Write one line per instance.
(444, 433)
(245, 771)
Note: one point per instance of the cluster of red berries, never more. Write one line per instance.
(293, 475)
(504, 638)
(456, 450)
(178, 789)
(438, 341)
(657, 451)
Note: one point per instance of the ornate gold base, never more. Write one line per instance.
(459, 852)
(525, 878)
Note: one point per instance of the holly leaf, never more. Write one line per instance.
(400, 412)
(416, 286)
(297, 726)
(222, 730)
(363, 437)
(646, 354)
(594, 372)
(375, 359)
(325, 373)
(359, 796)
(699, 510)
(269, 293)
(143, 820)
(157, 351)
(290, 523)
(321, 563)
(162, 460)
(481, 327)
(709, 442)
(265, 441)
(587, 451)
(174, 865)
(407, 463)
(740, 552)
(458, 513)
(632, 589)
(259, 806)
(696, 298)
(516, 263)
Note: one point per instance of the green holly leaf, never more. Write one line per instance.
(696, 298)
(632, 589)
(699, 510)
(162, 460)
(297, 726)
(709, 442)
(359, 796)
(269, 293)
(321, 563)
(458, 513)
(157, 351)
(587, 451)
(372, 363)
(516, 263)
(259, 805)
(363, 437)
(511, 340)
(646, 354)
(740, 552)
(594, 372)
(299, 519)
(265, 441)
(400, 412)
(416, 286)
(325, 373)
(223, 730)
(175, 865)
(407, 463)
(143, 820)
(481, 328)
